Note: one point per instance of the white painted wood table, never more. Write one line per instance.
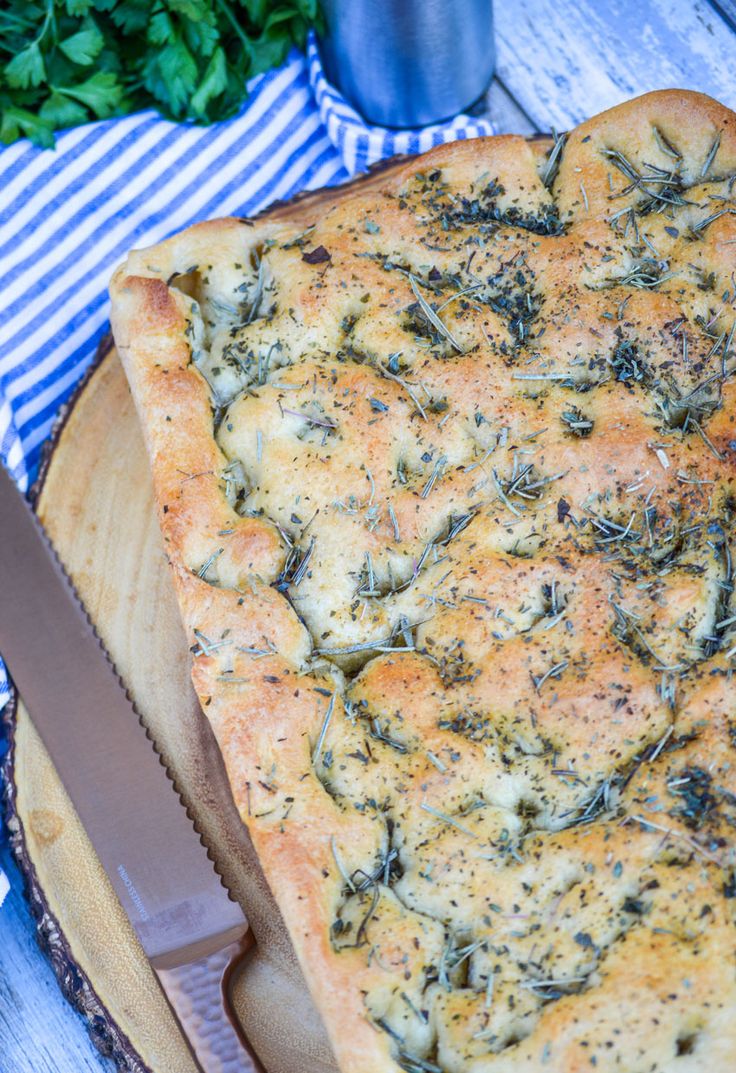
(558, 62)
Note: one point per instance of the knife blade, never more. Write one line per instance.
(188, 925)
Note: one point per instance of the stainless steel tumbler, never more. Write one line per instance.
(406, 63)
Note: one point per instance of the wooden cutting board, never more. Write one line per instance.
(96, 501)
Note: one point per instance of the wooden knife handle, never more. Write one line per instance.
(198, 993)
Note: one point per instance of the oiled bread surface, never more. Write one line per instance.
(445, 470)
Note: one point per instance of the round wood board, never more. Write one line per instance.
(96, 502)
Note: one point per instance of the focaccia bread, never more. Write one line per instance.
(445, 469)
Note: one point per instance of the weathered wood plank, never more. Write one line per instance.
(39, 1031)
(563, 60)
(505, 113)
(727, 8)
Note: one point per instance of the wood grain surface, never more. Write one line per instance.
(558, 61)
(565, 60)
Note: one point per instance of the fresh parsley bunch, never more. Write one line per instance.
(65, 62)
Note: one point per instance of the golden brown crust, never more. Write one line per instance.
(445, 466)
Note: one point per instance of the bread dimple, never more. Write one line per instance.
(445, 468)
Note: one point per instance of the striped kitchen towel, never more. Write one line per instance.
(69, 216)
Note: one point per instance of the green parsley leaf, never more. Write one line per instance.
(213, 83)
(59, 112)
(78, 7)
(160, 28)
(18, 123)
(83, 47)
(201, 37)
(131, 16)
(193, 9)
(171, 76)
(27, 69)
(101, 93)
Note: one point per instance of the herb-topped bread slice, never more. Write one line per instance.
(445, 469)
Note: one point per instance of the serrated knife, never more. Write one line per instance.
(189, 927)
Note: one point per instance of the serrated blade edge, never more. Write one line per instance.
(116, 780)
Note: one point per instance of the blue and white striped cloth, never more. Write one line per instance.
(69, 216)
